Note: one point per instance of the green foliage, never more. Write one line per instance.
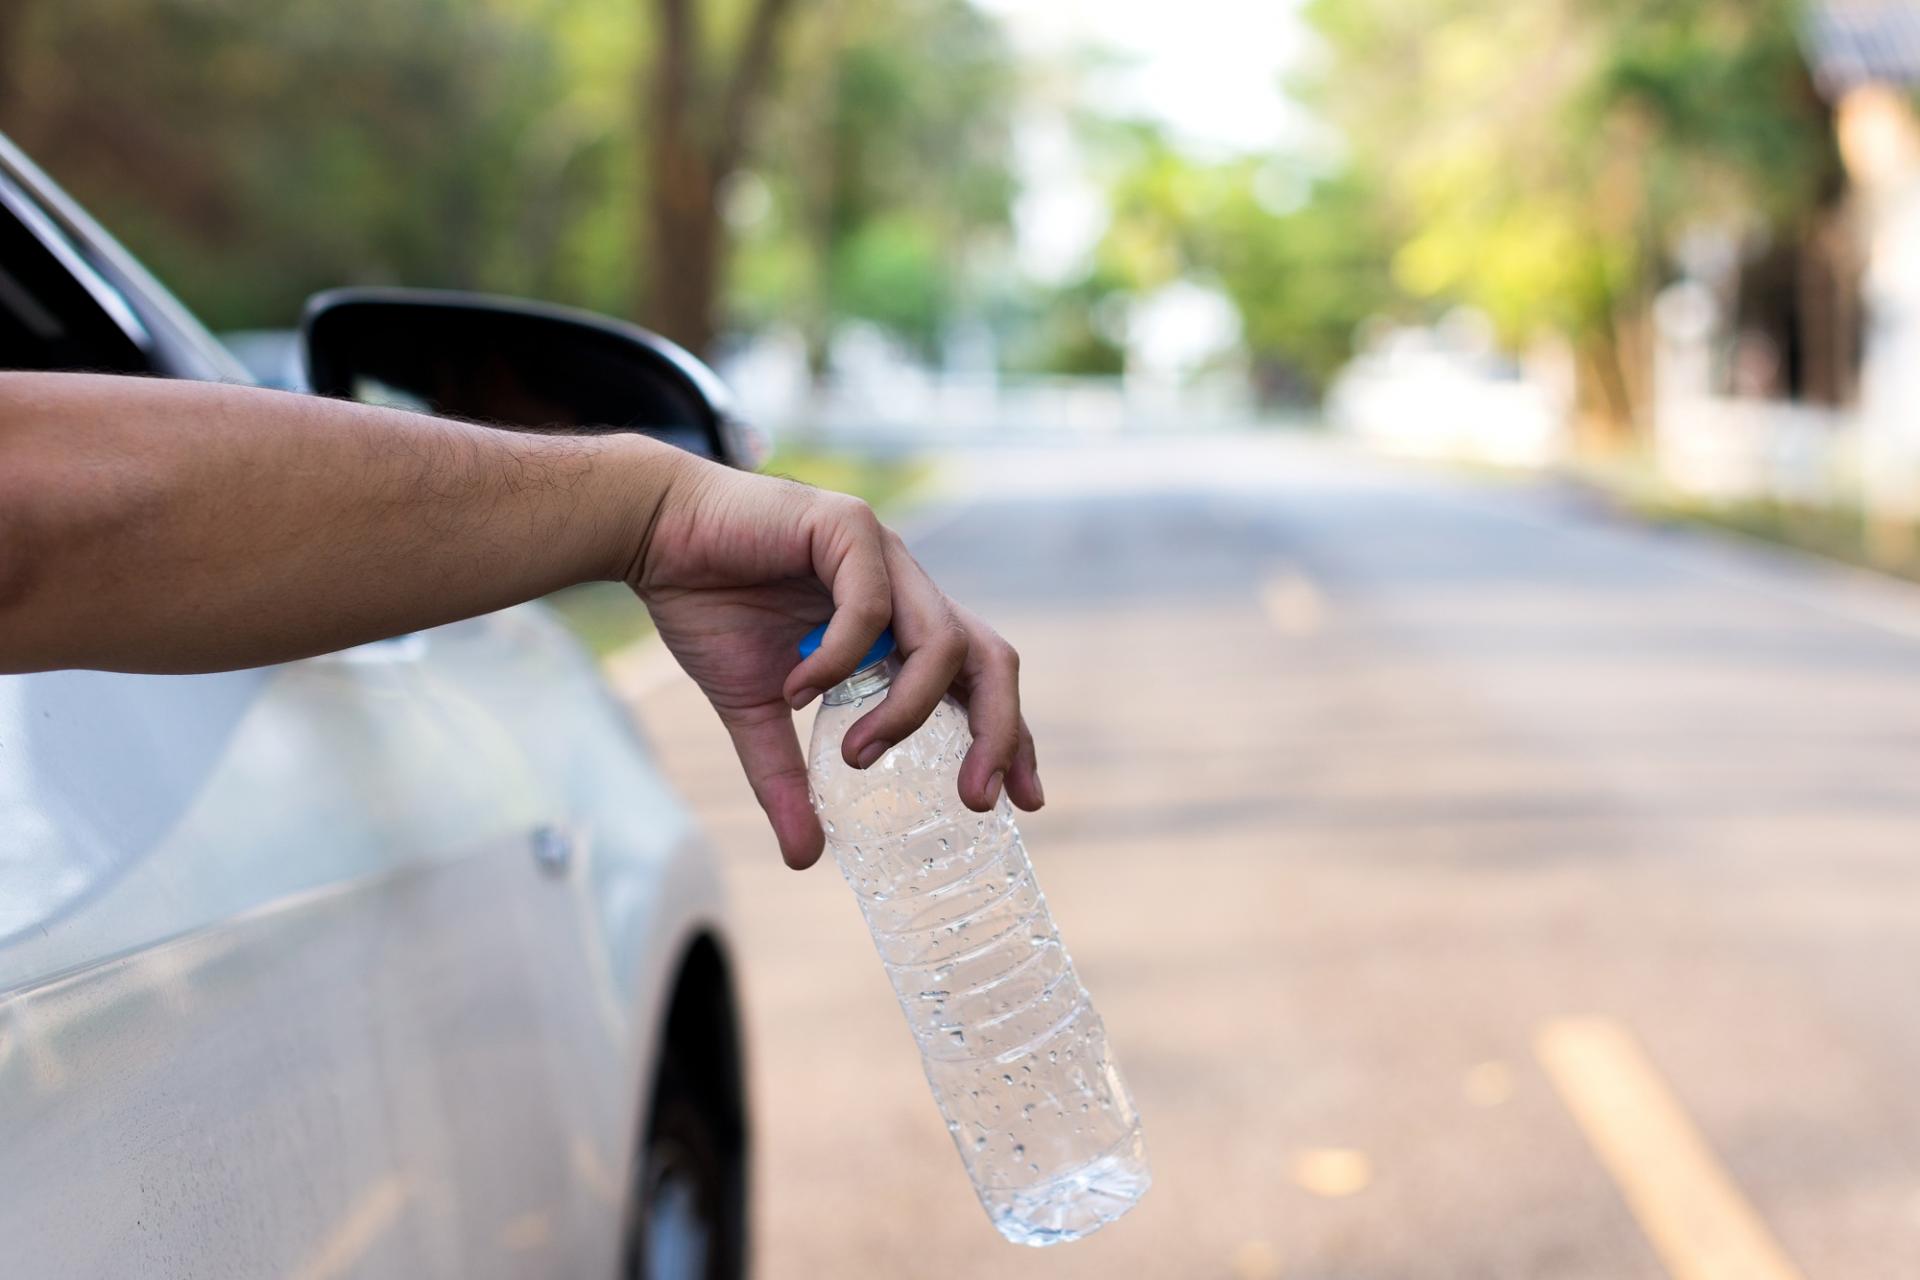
(888, 168)
(886, 483)
(1303, 259)
(1726, 91)
(1304, 278)
(1840, 530)
(256, 150)
(1540, 160)
(1060, 331)
(253, 151)
(892, 270)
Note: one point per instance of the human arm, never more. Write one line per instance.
(148, 525)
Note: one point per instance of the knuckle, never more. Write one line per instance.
(871, 612)
(905, 718)
(857, 512)
(951, 641)
(997, 747)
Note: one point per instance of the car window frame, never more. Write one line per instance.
(175, 344)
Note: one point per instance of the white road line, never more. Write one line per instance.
(1686, 1202)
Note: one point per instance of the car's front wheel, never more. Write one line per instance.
(688, 1218)
(681, 1199)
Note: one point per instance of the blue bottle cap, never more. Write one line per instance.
(881, 647)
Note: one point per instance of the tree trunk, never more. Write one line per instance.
(694, 139)
(13, 16)
(1827, 284)
(688, 247)
(1603, 401)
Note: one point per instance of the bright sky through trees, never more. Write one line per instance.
(1208, 71)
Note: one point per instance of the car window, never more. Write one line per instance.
(56, 311)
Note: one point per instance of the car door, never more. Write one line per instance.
(348, 965)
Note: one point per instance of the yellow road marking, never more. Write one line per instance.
(1698, 1222)
(377, 1209)
(594, 1173)
(1292, 603)
(1489, 1084)
(1332, 1172)
(528, 1231)
(1255, 1260)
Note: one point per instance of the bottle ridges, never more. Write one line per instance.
(1015, 1053)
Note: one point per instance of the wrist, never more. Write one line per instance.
(645, 477)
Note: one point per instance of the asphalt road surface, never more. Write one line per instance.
(1474, 883)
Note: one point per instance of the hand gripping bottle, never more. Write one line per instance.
(1017, 1057)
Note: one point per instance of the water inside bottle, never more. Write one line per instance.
(1016, 1055)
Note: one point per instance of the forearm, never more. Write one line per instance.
(165, 526)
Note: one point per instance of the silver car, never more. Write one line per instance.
(400, 961)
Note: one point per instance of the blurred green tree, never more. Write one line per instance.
(884, 181)
(595, 152)
(254, 150)
(1305, 265)
(1540, 161)
(704, 95)
(1302, 255)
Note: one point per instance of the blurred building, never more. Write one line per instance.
(1795, 376)
(1866, 60)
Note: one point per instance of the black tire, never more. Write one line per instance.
(682, 1209)
(688, 1216)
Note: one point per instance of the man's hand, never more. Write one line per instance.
(737, 568)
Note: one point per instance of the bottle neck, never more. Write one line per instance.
(863, 683)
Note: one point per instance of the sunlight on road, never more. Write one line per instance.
(1489, 1084)
(1332, 1172)
(371, 1217)
(1293, 603)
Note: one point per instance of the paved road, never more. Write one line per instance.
(1475, 885)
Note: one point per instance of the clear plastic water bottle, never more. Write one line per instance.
(1016, 1055)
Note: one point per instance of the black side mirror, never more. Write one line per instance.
(518, 364)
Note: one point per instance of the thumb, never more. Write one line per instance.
(769, 750)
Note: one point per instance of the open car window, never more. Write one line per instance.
(56, 311)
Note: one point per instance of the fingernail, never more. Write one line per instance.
(869, 753)
(802, 698)
(1039, 792)
(993, 789)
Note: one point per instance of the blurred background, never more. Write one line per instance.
(1391, 429)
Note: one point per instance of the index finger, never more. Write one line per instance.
(933, 641)
(849, 558)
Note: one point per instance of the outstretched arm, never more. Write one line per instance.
(160, 526)
(152, 525)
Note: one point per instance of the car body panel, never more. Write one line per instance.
(348, 964)
(353, 965)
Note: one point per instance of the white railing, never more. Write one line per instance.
(1725, 449)
(924, 410)
(1428, 404)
